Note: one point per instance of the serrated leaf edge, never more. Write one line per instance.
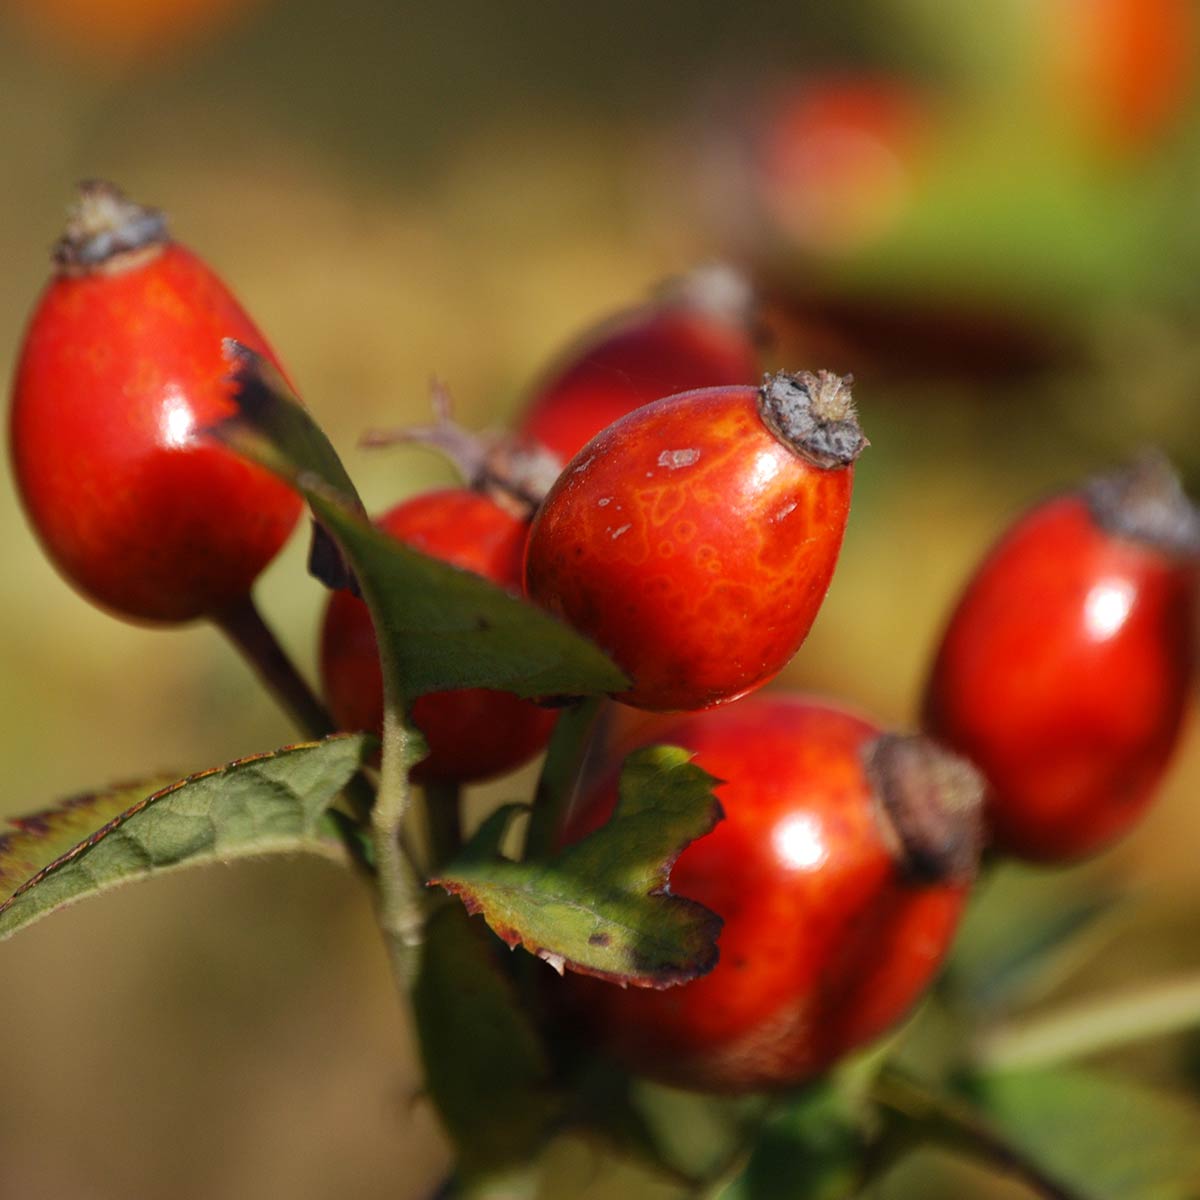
(662, 890)
(334, 851)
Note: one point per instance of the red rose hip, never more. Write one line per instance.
(120, 370)
(840, 870)
(473, 733)
(1065, 670)
(698, 333)
(695, 539)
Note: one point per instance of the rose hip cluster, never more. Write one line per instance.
(692, 532)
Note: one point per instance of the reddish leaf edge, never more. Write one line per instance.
(710, 922)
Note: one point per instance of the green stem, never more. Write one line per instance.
(1078, 1030)
(443, 819)
(919, 1113)
(573, 739)
(401, 896)
(715, 1183)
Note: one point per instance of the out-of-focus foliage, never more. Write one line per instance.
(400, 191)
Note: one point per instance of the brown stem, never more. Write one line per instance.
(443, 819)
(242, 623)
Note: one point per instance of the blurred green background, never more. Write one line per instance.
(1009, 266)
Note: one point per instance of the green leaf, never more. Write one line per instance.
(606, 1106)
(36, 840)
(809, 1148)
(438, 627)
(276, 430)
(485, 1067)
(1077, 1029)
(1024, 933)
(695, 1134)
(268, 804)
(1101, 1137)
(603, 906)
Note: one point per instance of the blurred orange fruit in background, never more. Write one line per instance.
(126, 33)
(837, 157)
(1122, 69)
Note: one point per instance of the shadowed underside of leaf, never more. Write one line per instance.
(603, 907)
(267, 804)
(439, 628)
(485, 1066)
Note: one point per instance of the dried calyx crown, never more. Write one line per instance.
(814, 415)
(105, 229)
(930, 807)
(1144, 501)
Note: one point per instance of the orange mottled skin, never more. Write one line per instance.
(825, 944)
(692, 545)
(1064, 675)
(119, 371)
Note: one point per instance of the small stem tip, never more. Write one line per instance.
(1144, 501)
(930, 807)
(105, 230)
(718, 289)
(814, 415)
(515, 473)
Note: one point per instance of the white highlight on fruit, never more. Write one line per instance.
(799, 841)
(766, 467)
(178, 423)
(1106, 607)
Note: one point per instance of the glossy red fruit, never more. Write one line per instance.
(840, 869)
(698, 333)
(1064, 672)
(120, 368)
(695, 539)
(474, 733)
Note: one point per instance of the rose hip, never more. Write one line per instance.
(698, 333)
(120, 367)
(840, 870)
(1065, 669)
(695, 539)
